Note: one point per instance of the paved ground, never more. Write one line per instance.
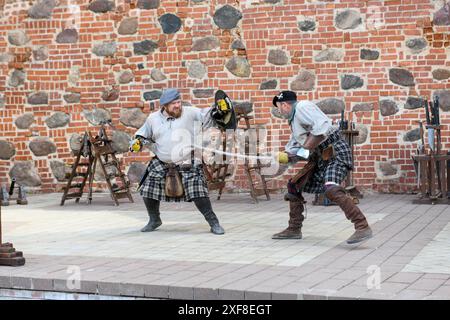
(85, 251)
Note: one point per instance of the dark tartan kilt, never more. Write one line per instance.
(193, 179)
(334, 170)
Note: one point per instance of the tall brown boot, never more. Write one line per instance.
(294, 230)
(363, 232)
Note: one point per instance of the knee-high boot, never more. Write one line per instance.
(154, 222)
(204, 206)
(294, 229)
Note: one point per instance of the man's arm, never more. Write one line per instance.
(143, 133)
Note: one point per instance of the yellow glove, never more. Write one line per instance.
(135, 145)
(283, 157)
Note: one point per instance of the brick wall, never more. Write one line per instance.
(65, 64)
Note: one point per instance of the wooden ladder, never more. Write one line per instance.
(105, 155)
(72, 182)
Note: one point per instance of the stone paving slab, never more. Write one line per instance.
(100, 245)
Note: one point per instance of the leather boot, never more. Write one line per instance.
(363, 232)
(294, 229)
(204, 206)
(153, 214)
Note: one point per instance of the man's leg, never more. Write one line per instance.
(338, 195)
(294, 229)
(203, 204)
(154, 222)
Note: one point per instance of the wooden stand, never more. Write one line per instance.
(256, 189)
(8, 255)
(433, 172)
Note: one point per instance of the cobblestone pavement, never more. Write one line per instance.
(408, 258)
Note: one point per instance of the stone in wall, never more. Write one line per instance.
(42, 146)
(363, 134)
(237, 45)
(348, 19)
(239, 66)
(152, 95)
(388, 107)
(57, 120)
(38, 98)
(205, 43)
(120, 141)
(305, 81)
(72, 97)
(24, 121)
(278, 57)
(349, 81)
(157, 75)
(40, 53)
(132, 117)
(401, 77)
(243, 107)
(110, 94)
(307, 25)
(101, 6)
(6, 57)
(441, 74)
(25, 174)
(18, 37)
(330, 54)
(128, 26)
(414, 103)
(269, 84)
(144, 47)
(387, 169)
(2, 100)
(7, 150)
(412, 135)
(105, 49)
(203, 93)
(42, 9)
(227, 17)
(332, 106)
(67, 36)
(196, 70)
(170, 23)
(126, 77)
(444, 99)
(148, 4)
(417, 45)
(363, 107)
(442, 16)
(59, 170)
(136, 171)
(75, 142)
(369, 54)
(95, 116)
(17, 78)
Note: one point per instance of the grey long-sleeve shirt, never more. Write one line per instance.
(172, 140)
(308, 118)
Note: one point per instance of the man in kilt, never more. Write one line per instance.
(314, 139)
(171, 132)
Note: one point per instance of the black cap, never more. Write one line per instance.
(284, 96)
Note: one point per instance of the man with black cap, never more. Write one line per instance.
(171, 133)
(312, 137)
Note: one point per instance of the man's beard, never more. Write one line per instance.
(175, 114)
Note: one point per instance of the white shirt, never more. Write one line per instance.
(173, 139)
(308, 118)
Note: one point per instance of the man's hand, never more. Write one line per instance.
(136, 144)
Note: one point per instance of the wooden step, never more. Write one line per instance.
(121, 195)
(74, 195)
(72, 186)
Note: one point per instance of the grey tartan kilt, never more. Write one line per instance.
(334, 170)
(193, 179)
